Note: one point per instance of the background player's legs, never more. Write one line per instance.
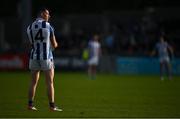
(161, 70)
(92, 71)
(169, 70)
(50, 85)
(32, 89)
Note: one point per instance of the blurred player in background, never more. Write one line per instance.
(94, 51)
(43, 41)
(164, 51)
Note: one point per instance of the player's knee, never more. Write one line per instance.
(34, 82)
(50, 82)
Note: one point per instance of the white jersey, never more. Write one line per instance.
(162, 49)
(39, 33)
(94, 48)
(163, 53)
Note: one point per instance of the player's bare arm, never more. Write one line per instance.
(54, 42)
(171, 50)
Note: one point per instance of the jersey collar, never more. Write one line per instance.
(40, 19)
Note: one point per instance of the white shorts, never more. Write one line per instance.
(93, 61)
(164, 59)
(41, 64)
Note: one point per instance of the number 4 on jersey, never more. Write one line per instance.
(39, 35)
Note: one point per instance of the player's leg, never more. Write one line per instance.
(94, 71)
(32, 89)
(90, 71)
(169, 70)
(95, 65)
(50, 89)
(34, 66)
(90, 68)
(50, 84)
(161, 70)
(48, 68)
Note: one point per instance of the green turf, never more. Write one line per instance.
(108, 96)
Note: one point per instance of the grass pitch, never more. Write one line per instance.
(108, 96)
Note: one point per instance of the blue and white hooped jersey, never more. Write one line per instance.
(39, 33)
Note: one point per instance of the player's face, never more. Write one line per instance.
(162, 39)
(46, 15)
(96, 37)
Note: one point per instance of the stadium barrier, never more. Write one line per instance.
(69, 63)
(13, 61)
(140, 65)
(111, 64)
(20, 62)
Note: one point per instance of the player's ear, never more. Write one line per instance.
(42, 14)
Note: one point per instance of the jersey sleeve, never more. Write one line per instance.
(51, 31)
(168, 46)
(27, 31)
(28, 34)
